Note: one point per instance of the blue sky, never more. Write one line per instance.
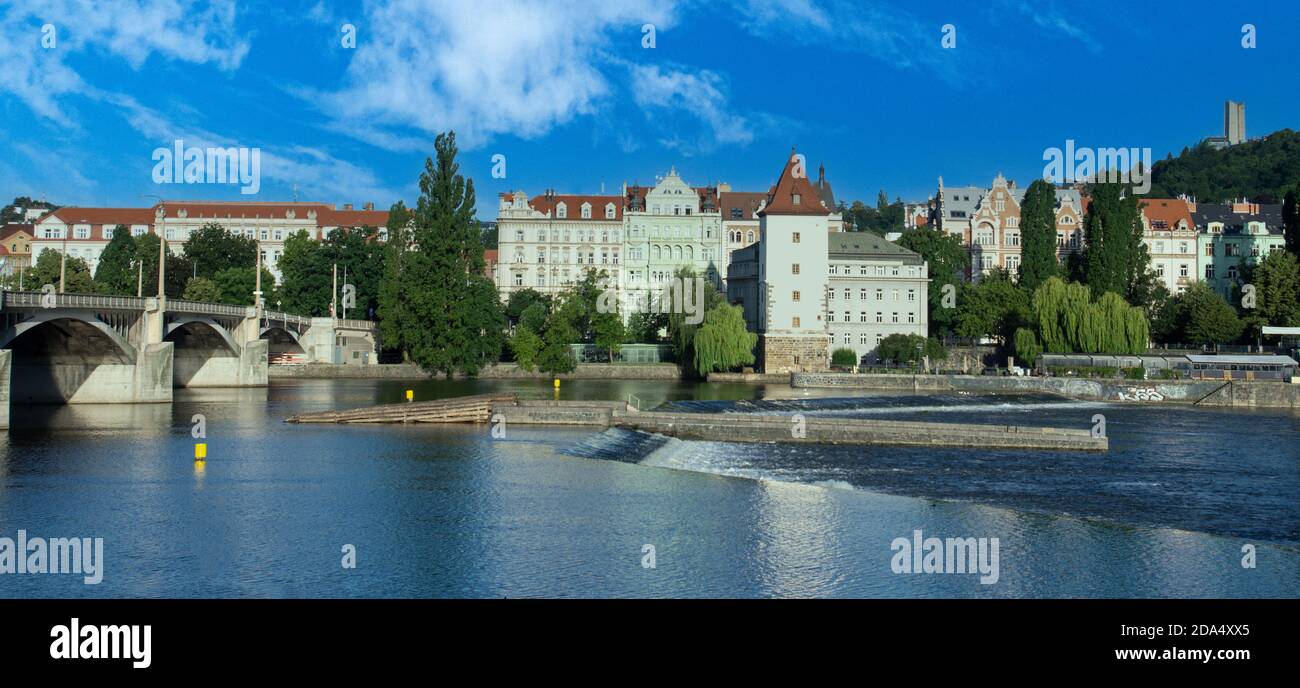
(569, 95)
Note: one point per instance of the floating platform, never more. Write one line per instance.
(716, 427)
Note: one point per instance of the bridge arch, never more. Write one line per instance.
(194, 331)
(68, 328)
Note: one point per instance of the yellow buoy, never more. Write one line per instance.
(410, 395)
(200, 451)
(557, 383)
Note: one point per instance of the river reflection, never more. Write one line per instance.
(565, 512)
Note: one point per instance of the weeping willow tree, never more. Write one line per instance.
(1069, 320)
(722, 342)
(1027, 348)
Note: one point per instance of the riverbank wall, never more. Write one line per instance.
(1217, 393)
(499, 371)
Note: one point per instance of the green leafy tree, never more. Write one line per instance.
(844, 357)
(993, 307)
(434, 302)
(526, 346)
(212, 248)
(608, 332)
(237, 285)
(904, 348)
(1262, 170)
(947, 260)
(46, 271)
(534, 316)
(556, 356)
(1291, 220)
(1209, 318)
(520, 300)
(645, 327)
(202, 289)
(1116, 259)
(178, 267)
(359, 256)
(1038, 235)
(306, 279)
(1277, 289)
(1027, 348)
(722, 343)
(680, 328)
(1068, 320)
(116, 272)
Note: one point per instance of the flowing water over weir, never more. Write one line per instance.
(783, 425)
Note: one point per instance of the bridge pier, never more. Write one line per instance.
(6, 361)
(71, 377)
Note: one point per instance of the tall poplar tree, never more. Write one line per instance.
(1115, 258)
(437, 305)
(1038, 235)
(115, 274)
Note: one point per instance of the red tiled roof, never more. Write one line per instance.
(573, 204)
(782, 199)
(9, 230)
(1168, 210)
(101, 216)
(747, 201)
(490, 255)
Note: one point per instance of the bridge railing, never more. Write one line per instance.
(354, 324)
(40, 299)
(205, 308)
(273, 317)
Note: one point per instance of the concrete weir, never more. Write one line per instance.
(716, 427)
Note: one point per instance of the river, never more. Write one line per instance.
(448, 511)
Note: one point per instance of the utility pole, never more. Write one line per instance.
(334, 294)
(139, 278)
(345, 286)
(257, 288)
(63, 260)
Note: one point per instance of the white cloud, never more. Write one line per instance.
(486, 67)
(698, 95)
(131, 30)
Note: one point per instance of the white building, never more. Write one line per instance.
(545, 243)
(807, 288)
(85, 232)
(669, 226)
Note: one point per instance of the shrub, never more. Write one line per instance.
(844, 357)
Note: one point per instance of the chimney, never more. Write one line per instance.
(369, 206)
(347, 206)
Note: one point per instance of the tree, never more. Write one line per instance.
(534, 316)
(434, 302)
(645, 327)
(844, 357)
(1262, 170)
(305, 278)
(359, 257)
(236, 285)
(556, 356)
(1291, 220)
(608, 332)
(1038, 235)
(178, 267)
(202, 289)
(1116, 259)
(1027, 348)
(680, 330)
(47, 268)
(1277, 289)
(947, 260)
(520, 300)
(526, 345)
(993, 307)
(212, 248)
(1068, 320)
(722, 343)
(116, 273)
(1209, 318)
(903, 348)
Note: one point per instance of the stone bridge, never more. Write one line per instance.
(84, 348)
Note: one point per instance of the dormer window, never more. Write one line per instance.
(586, 211)
(795, 199)
(609, 211)
(561, 211)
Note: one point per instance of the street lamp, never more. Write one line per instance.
(162, 247)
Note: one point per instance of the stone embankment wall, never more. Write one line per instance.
(1200, 392)
(500, 371)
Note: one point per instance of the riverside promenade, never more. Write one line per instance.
(508, 409)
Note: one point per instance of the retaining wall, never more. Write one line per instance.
(1202, 392)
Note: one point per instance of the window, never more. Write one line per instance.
(609, 211)
(562, 211)
(862, 339)
(895, 294)
(911, 317)
(794, 296)
(586, 211)
(1182, 247)
(880, 294)
(81, 233)
(862, 316)
(519, 235)
(1182, 270)
(519, 279)
(862, 294)
(895, 317)
(848, 338)
(1209, 271)
(911, 294)
(1160, 271)
(794, 238)
(831, 269)
(830, 316)
(1232, 272)
(795, 198)
(794, 322)
(737, 214)
(880, 317)
(794, 268)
